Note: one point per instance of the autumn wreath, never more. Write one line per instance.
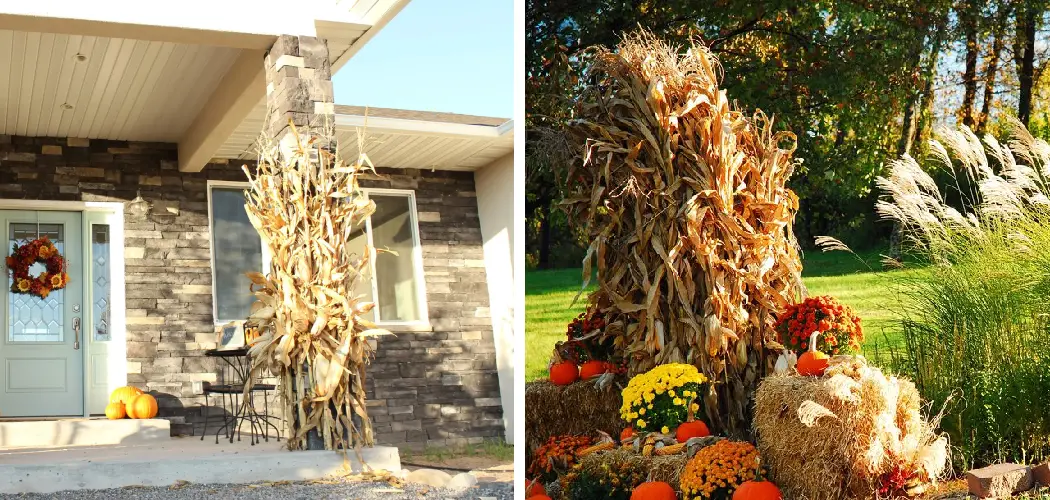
(23, 257)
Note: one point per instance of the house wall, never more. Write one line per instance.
(495, 186)
(432, 388)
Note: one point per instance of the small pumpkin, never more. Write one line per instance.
(124, 394)
(626, 434)
(812, 362)
(539, 497)
(142, 407)
(564, 373)
(593, 369)
(696, 428)
(654, 490)
(691, 428)
(534, 488)
(115, 411)
(757, 490)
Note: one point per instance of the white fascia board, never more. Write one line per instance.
(416, 127)
(254, 18)
(506, 129)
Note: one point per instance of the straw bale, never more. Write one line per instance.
(576, 409)
(666, 468)
(684, 204)
(833, 437)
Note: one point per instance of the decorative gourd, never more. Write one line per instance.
(593, 369)
(626, 434)
(534, 488)
(757, 490)
(115, 411)
(654, 490)
(564, 373)
(812, 362)
(142, 407)
(124, 394)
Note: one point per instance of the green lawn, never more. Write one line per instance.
(861, 285)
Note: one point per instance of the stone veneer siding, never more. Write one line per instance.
(432, 388)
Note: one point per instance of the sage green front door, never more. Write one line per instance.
(41, 341)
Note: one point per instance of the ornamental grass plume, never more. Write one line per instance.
(305, 202)
(974, 322)
(684, 205)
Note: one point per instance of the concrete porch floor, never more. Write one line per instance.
(47, 470)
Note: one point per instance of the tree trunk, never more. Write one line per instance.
(545, 237)
(1025, 59)
(970, 72)
(926, 106)
(989, 81)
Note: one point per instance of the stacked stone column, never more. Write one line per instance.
(299, 88)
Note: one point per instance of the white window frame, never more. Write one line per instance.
(423, 324)
(211, 245)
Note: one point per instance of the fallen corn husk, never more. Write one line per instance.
(835, 436)
(684, 204)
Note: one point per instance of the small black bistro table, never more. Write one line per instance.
(233, 375)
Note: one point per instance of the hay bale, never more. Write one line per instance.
(578, 409)
(838, 435)
(666, 468)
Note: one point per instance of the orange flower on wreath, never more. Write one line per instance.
(23, 285)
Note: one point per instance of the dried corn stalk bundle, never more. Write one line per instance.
(305, 202)
(689, 221)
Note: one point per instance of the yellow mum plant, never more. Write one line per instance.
(659, 399)
(716, 471)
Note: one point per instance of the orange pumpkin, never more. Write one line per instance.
(686, 430)
(564, 373)
(539, 497)
(626, 434)
(593, 369)
(115, 411)
(142, 407)
(812, 362)
(534, 488)
(654, 490)
(124, 394)
(757, 490)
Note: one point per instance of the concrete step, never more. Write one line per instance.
(52, 470)
(15, 434)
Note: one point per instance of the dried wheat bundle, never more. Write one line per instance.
(844, 434)
(689, 220)
(305, 202)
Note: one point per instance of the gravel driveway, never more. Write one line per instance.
(304, 491)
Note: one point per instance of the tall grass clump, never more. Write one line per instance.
(975, 325)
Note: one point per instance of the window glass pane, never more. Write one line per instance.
(396, 281)
(237, 249)
(100, 281)
(358, 244)
(31, 318)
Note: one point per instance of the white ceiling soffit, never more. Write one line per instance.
(59, 85)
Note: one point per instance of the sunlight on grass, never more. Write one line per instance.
(861, 285)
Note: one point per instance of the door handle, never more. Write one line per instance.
(76, 333)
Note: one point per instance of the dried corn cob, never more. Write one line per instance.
(673, 449)
(608, 445)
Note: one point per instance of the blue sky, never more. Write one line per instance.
(437, 55)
